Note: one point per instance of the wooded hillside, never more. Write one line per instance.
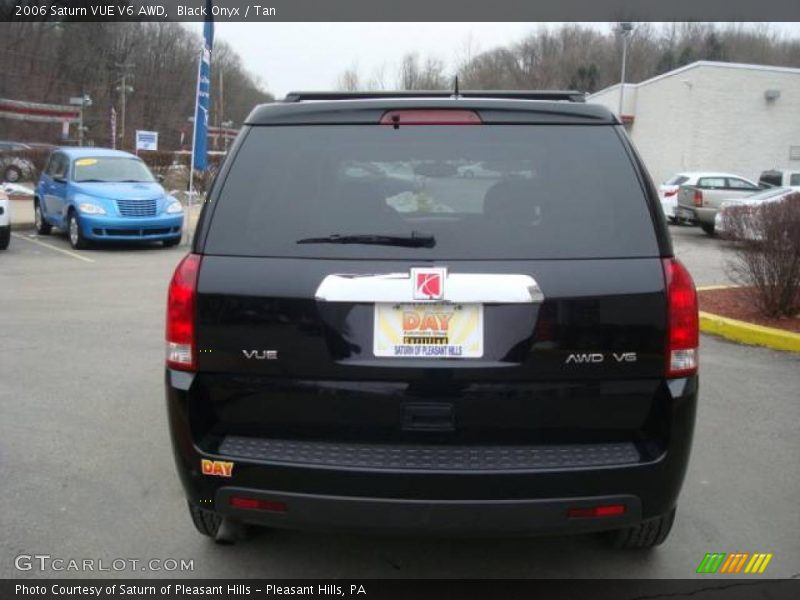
(51, 62)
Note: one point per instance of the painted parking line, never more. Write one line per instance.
(51, 247)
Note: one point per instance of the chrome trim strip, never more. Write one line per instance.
(485, 288)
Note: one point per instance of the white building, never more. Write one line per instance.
(713, 116)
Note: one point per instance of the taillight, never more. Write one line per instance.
(683, 327)
(698, 198)
(181, 351)
(436, 116)
(257, 504)
(604, 510)
(669, 193)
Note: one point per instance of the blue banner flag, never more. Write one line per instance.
(203, 100)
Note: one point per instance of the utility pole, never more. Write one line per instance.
(80, 121)
(624, 30)
(124, 89)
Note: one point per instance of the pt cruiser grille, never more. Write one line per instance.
(137, 208)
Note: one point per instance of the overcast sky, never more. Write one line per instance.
(311, 56)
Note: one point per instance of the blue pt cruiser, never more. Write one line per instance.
(101, 194)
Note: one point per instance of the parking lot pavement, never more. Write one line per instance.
(87, 465)
(703, 255)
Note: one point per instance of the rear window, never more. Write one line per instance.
(485, 191)
(677, 180)
(773, 178)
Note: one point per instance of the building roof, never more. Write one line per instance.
(698, 64)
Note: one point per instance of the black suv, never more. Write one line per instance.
(449, 313)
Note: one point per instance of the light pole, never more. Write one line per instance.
(624, 29)
(225, 126)
(83, 101)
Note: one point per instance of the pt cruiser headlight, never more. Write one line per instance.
(174, 208)
(88, 208)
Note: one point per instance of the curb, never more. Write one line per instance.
(749, 333)
(744, 332)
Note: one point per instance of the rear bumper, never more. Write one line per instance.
(524, 494)
(161, 227)
(701, 215)
(318, 512)
(669, 207)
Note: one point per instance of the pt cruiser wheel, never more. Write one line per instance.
(42, 226)
(76, 239)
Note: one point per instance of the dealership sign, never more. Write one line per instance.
(146, 140)
(36, 111)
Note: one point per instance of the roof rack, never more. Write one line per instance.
(562, 95)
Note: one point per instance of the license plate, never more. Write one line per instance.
(428, 330)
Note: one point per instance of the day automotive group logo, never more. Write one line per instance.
(720, 562)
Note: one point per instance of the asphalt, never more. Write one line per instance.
(87, 470)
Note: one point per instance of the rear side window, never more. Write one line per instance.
(485, 191)
(794, 180)
(740, 184)
(711, 182)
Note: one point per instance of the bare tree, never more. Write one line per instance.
(349, 80)
(767, 253)
(417, 75)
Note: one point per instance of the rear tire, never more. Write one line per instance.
(645, 535)
(74, 233)
(5, 237)
(42, 226)
(709, 229)
(205, 521)
(12, 174)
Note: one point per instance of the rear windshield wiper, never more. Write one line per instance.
(415, 240)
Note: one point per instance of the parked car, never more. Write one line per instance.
(747, 207)
(435, 169)
(5, 220)
(668, 191)
(14, 168)
(477, 170)
(523, 363)
(97, 194)
(783, 178)
(700, 201)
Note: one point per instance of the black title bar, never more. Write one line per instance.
(710, 588)
(401, 10)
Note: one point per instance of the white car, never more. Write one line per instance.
(668, 191)
(750, 204)
(5, 220)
